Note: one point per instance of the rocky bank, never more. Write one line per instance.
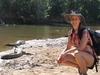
(39, 59)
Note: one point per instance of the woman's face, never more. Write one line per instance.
(75, 22)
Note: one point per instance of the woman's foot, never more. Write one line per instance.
(80, 73)
(85, 74)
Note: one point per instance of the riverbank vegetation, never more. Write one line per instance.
(46, 11)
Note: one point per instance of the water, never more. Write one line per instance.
(12, 33)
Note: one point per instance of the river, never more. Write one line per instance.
(12, 33)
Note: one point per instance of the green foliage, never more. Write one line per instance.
(91, 9)
(56, 7)
(30, 11)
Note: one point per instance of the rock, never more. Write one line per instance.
(23, 72)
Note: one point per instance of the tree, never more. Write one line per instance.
(56, 7)
(91, 9)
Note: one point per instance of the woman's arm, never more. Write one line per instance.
(84, 40)
(69, 44)
(69, 47)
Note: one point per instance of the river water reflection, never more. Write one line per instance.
(12, 33)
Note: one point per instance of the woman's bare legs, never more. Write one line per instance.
(68, 60)
(84, 60)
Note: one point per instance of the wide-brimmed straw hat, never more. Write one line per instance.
(67, 15)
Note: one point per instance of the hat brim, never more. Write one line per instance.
(68, 16)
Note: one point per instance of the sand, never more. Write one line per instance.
(41, 59)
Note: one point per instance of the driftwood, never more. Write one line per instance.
(17, 51)
(18, 43)
(14, 55)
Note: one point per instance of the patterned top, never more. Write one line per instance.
(82, 44)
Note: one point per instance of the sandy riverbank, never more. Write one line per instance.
(40, 59)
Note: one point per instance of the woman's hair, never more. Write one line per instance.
(82, 21)
(81, 26)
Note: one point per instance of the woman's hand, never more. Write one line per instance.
(73, 50)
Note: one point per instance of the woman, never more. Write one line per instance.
(78, 53)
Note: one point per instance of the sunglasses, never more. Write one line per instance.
(75, 19)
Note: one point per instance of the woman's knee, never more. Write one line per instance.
(59, 60)
(66, 58)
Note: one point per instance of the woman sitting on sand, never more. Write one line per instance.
(79, 53)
